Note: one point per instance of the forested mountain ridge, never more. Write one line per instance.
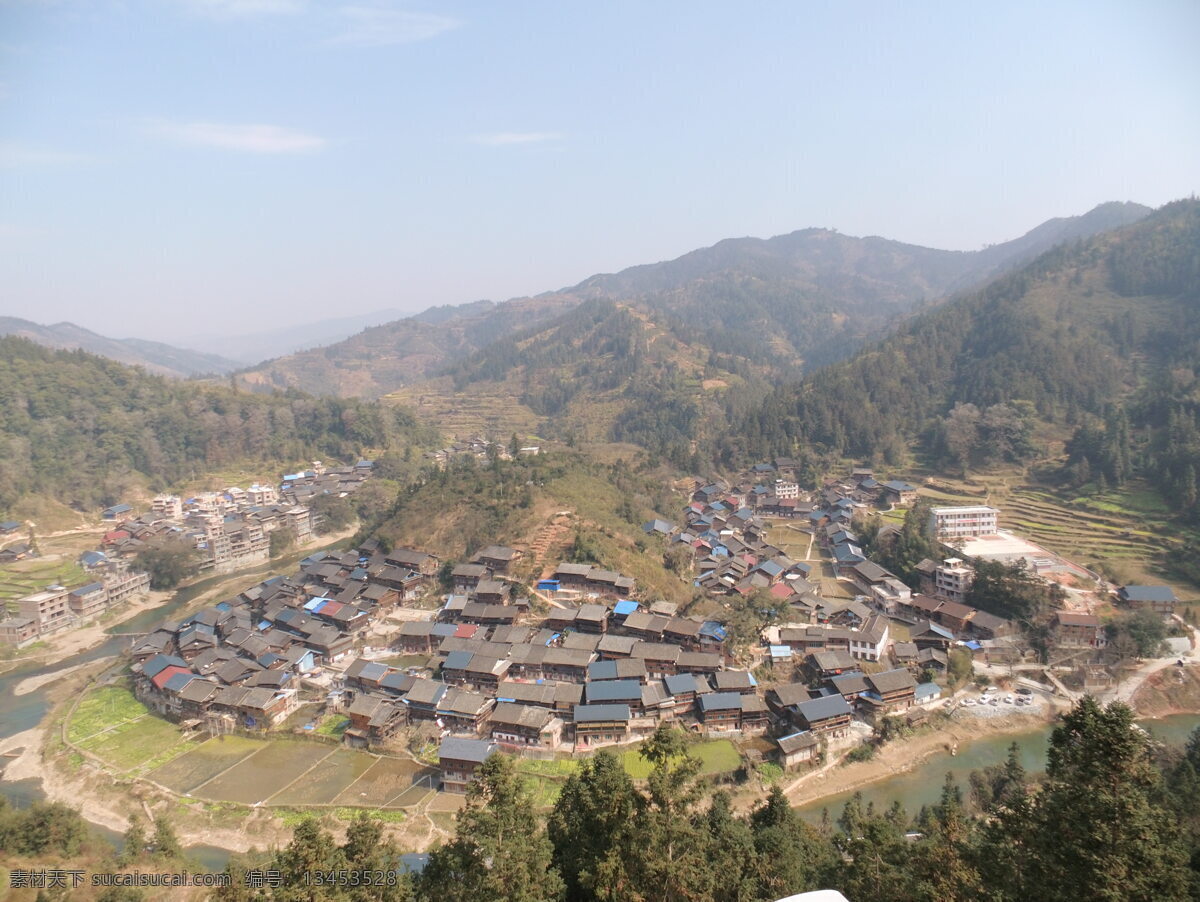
(817, 294)
(81, 427)
(1102, 335)
(156, 357)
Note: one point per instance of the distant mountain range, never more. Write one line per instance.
(781, 306)
(155, 357)
(288, 338)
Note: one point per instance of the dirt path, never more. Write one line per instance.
(1129, 686)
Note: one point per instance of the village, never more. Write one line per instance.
(228, 530)
(389, 644)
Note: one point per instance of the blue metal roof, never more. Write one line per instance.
(178, 681)
(593, 713)
(625, 607)
(1147, 593)
(822, 708)
(457, 749)
(159, 663)
(612, 691)
(720, 701)
(927, 690)
(602, 670)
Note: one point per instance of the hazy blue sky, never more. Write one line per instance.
(176, 166)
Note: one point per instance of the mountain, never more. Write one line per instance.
(793, 302)
(288, 338)
(155, 357)
(1100, 338)
(380, 359)
(84, 428)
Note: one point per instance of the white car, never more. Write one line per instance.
(1008, 699)
(968, 703)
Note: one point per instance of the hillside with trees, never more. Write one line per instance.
(553, 506)
(1100, 338)
(800, 300)
(83, 428)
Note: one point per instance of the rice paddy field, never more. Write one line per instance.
(291, 774)
(204, 762)
(269, 770)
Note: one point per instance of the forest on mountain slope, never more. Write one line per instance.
(80, 427)
(804, 299)
(1101, 337)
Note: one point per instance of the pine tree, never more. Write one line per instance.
(671, 851)
(499, 850)
(367, 852)
(1096, 831)
(876, 853)
(135, 842)
(793, 857)
(311, 851)
(732, 854)
(589, 829)
(165, 842)
(942, 865)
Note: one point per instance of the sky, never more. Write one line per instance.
(177, 168)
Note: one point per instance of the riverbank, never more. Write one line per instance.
(109, 800)
(902, 756)
(31, 684)
(1171, 690)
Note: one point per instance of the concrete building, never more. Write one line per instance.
(952, 579)
(50, 609)
(169, 506)
(950, 523)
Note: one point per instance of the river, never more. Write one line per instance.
(24, 712)
(923, 784)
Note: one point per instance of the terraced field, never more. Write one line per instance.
(485, 410)
(26, 577)
(1127, 531)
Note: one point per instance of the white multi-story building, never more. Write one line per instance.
(787, 491)
(952, 579)
(949, 523)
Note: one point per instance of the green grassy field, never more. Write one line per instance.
(717, 756)
(333, 725)
(101, 709)
(138, 744)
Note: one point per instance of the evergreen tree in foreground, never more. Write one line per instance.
(499, 850)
